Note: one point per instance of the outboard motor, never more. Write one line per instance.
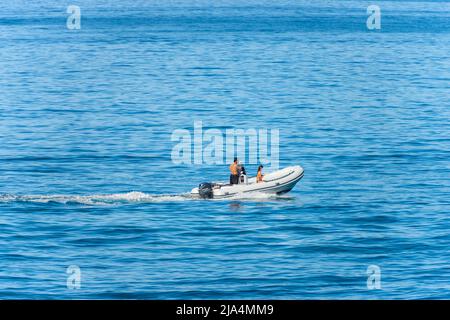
(205, 190)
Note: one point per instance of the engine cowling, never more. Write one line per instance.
(205, 190)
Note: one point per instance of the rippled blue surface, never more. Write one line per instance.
(86, 176)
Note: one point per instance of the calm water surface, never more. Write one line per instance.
(86, 177)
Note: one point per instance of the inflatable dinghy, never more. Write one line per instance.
(277, 182)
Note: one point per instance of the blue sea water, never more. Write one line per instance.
(87, 179)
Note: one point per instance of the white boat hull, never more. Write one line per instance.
(276, 182)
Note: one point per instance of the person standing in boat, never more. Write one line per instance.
(234, 169)
(259, 175)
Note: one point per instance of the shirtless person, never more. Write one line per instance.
(234, 177)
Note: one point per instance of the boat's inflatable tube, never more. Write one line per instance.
(276, 182)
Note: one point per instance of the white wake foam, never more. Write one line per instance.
(100, 199)
(130, 197)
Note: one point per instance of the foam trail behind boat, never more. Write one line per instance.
(123, 198)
